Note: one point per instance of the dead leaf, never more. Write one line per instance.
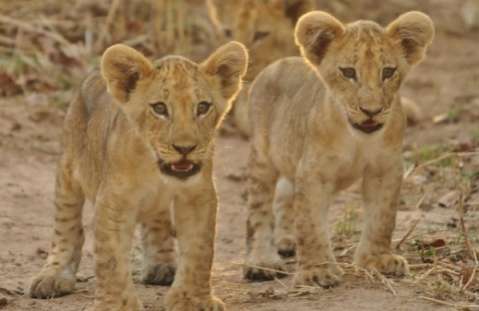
(436, 243)
(8, 86)
(3, 302)
(464, 146)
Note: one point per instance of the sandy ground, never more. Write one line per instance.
(29, 148)
(27, 179)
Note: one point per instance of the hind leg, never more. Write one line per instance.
(284, 234)
(58, 275)
(262, 260)
(158, 249)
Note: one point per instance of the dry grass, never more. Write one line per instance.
(50, 47)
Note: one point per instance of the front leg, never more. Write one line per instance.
(381, 188)
(114, 227)
(195, 222)
(316, 262)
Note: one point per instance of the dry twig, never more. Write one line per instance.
(445, 303)
(27, 27)
(112, 12)
(443, 157)
(414, 224)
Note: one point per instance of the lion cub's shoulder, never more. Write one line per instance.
(290, 77)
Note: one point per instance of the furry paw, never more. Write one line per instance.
(52, 283)
(180, 300)
(286, 246)
(327, 275)
(264, 269)
(388, 264)
(117, 303)
(160, 274)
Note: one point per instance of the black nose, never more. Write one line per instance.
(184, 149)
(370, 112)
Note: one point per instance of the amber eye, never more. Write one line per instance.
(260, 35)
(160, 109)
(349, 73)
(202, 108)
(388, 72)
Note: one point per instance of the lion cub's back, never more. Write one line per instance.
(86, 132)
(281, 99)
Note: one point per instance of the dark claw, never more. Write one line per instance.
(162, 275)
(287, 253)
(257, 275)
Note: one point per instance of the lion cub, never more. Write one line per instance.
(138, 142)
(320, 126)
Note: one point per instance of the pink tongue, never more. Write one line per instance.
(182, 166)
(368, 123)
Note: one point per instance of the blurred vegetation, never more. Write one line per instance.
(49, 45)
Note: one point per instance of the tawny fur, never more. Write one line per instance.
(266, 28)
(303, 136)
(114, 144)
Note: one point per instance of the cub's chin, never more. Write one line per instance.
(368, 126)
(182, 169)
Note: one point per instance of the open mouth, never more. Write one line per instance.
(181, 169)
(368, 126)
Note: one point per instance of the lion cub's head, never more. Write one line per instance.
(362, 63)
(266, 28)
(175, 104)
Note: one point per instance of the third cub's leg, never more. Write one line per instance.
(284, 234)
(381, 189)
(158, 249)
(259, 244)
(58, 276)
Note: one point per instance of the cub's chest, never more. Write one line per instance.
(347, 163)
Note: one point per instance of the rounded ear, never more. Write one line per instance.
(314, 33)
(227, 66)
(413, 33)
(122, 67)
